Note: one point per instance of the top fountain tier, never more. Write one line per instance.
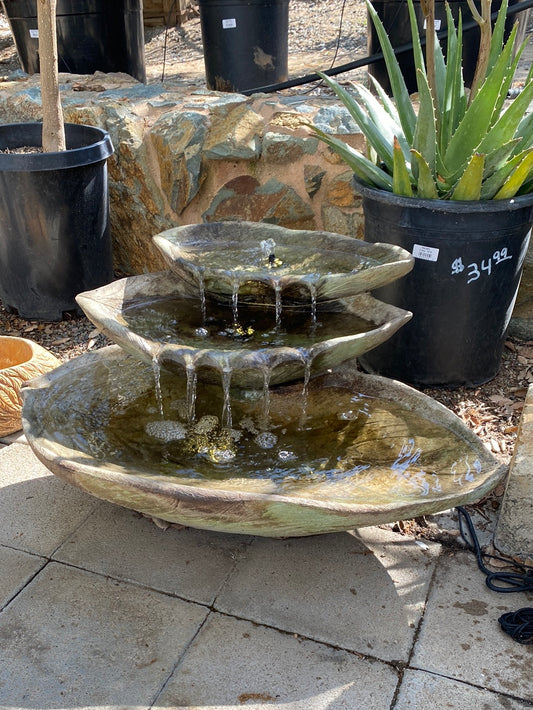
(262, 263)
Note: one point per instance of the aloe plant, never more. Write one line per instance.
(458, 144)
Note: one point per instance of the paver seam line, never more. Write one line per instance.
(30, 579)
(407, 664)
(178, 663)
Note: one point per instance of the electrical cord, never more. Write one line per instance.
(518, 624)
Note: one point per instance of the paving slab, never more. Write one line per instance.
(426, 690)
(192, 564)
(460, 636)
(234, 663)
(73, 639)
(17, 569)
(514, 530)
(364, 592)
(37, 509)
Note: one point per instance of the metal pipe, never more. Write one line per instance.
(364, 61)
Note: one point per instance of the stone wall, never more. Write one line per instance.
(183, 157)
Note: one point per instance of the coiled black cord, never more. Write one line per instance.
(518, 624)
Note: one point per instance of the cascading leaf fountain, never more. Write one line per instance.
(232, 401)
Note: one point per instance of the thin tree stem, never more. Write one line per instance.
(53, 125)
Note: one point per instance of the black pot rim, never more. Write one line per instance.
(447, 206)
(85, 145)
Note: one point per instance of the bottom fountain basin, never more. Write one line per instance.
(356, 450)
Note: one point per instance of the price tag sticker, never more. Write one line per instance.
(229, 24)
(425, 253)
(34, 34)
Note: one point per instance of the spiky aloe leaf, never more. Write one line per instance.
(454, 102)
(496, 181)
(498, 158)
(401, 181)
(388, 130)
(506, 128)
(425, 137)
(362, 167)
(397, 82)
(498, 33)
(378, 128)
(388, 103)
(469, 185)
(426, 188)
(517, 178)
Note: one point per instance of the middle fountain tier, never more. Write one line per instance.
(234, 403)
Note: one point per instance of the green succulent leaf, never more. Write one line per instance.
(425, 137)
(426, 187)
(495, 182)
(469, 186)
(362, 167)
(399, 89)
(517, 178)
(373, 120)
(454, 101)
(401, 181)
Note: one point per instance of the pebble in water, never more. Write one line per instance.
(166, 430)
(266, 440)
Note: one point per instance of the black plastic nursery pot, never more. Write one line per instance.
(54, 220)
(92, 35)
(395, 17)
(245, 43)
(461, 291)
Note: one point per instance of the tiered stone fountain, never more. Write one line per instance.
(232, 401)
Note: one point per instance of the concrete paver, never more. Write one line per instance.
(234, 663)
(38, 510)
(75, 639)
(188, 563)
(461, 638)
(426, 690)
(365, 592)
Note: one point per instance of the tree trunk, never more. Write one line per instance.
(53, 126)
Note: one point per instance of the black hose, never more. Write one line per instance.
(518, 624)
(364, 61)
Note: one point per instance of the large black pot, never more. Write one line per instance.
(245, 43)
(92, 35)
(54, 220)
(468, 263)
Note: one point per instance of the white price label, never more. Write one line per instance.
(426, 253)
(229, 24)
(437, 24)
(34, 34)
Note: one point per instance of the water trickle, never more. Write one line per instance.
(311, 283)
(156, 369)
(276, 283)
(305, 390)
(267, 372)
(235, 299)
(192, 378)
(226, 406)
(201, 288)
